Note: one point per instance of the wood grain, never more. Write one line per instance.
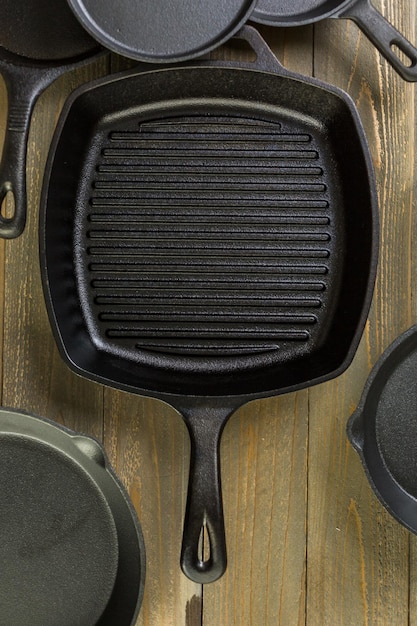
(148, 445)
(35, 378)
(358, 555)
(3, 210)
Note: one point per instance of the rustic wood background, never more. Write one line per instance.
(308, 542)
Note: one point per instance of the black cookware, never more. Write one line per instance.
(71, 546)
(39, 41)
(167, 31)
(383, 428)
(209, 236)
(382, 34)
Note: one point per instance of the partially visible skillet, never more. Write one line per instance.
(39, 41)
(166, 31)
(383, 429)
(208, 236)
(387, 39)
(71, 549)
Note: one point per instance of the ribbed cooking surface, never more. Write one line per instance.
(209, 235)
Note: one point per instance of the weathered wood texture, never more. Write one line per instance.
(358, 557)
(308, 542)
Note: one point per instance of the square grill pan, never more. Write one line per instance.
(209, 235)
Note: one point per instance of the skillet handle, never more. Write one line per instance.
(13, 176)
(24, 85)
(204, 511)
(265, 58)
(384, 36)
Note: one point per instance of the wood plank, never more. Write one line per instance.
(264, 453)
(358, 555)
(35, 378)
(3, 209)
(148, 445)
(264, 456)
(413, 300)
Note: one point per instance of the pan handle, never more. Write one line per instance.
(13, 175)
(24, 85)
(384, 36)
(204, 511)
(265, 58)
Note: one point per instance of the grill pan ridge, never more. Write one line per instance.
(208, 236)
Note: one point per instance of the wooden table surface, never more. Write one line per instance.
(308, 542)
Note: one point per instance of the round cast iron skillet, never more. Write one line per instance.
(39, 41)
(71, 546)
(382, 34)
(208, 236)
(383, 429)
(164, 31)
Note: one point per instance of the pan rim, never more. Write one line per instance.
(303, 18)
(8, 57)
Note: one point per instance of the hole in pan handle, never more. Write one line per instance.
(204, 511)
(385, 37)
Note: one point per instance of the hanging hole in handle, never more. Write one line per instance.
(402, 54)
(7, 209)
(204, 545)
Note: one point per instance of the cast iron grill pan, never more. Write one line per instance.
(70, 539)
(202, 242)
